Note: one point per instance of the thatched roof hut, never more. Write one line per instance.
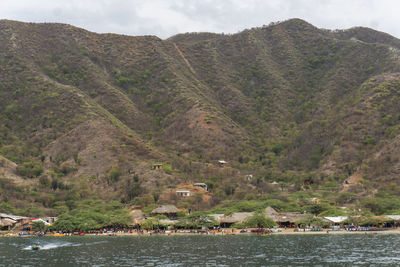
(165, 209)
(169, 210)
(7, 222)
(137, 216)
(236, 217)
(269, 211)
(284, 218)
(13, 217)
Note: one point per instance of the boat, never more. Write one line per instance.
(59, 234)
(35, 246)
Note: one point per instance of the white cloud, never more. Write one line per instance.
(168, 17)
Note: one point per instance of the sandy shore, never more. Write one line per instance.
(289, 231)
(324, 232)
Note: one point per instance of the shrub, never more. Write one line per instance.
(29, 169)
(38, 226)
(369, 141)
(114, 173)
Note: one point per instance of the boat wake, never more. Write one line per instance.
(53, 246)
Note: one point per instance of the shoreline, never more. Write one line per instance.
(224, 232)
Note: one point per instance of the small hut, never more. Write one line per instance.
(284, 219)
(337, 220)
(7, 223)
(288, 219)
(222, 163)
(157, 166)
(168, 210)
(183, 193)
(201, 185)
(18, 221)
(137, 217)
(236, 217)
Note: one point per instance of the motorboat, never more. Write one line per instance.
(35, 246)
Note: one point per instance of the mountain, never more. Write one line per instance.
(85, 114)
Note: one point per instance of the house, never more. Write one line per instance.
(137, 217)
(249, 177)
(315, 200)
(168, 210)
(393, 217)
(157, 166)
(7, 224)
(49, 220)
(336, 220)
(217, 216)
(201, 185)
(17, 221)
(34, 220)
(284, 219)
(221, 163)
(183, 193)
(236, 217)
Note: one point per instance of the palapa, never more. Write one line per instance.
(236, 217)
(137, 216)
(165, 209)
(284, 216)
(6, 222)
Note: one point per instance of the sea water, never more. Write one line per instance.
(274, 250)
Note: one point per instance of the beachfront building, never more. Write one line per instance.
(227, 221)
(9, 221)
(137, 217)
(7, 224)
(336, 220)
(168, 210)
(285, 219)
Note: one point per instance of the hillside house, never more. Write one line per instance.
(183, 193)
(222, 163)
(201, 185)
(248, 177)
(157, 166)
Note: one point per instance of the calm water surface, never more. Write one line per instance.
(278, 250)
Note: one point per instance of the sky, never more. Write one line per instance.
(165, 18)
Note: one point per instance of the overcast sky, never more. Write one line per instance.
(165, 18)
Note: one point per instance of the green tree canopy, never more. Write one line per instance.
(91, 215)
(259, 220)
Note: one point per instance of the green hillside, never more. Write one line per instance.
(308, 113)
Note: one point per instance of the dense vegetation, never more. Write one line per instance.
(308, 119)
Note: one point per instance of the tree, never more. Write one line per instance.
(150, 223)
(92, 215)
(197, 220)
(6, 207)
(38, 226)
(259, 220)
(311, 221)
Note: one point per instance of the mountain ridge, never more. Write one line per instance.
(90, 113)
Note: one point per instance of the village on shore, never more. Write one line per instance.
(164, 221)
